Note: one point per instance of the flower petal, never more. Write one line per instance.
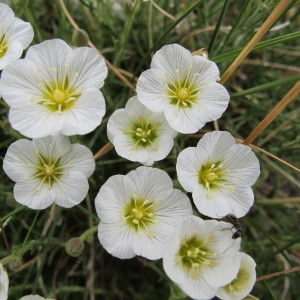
(20, 160)
(151, 90)
(52, 146)
(34, 194)
(79, 158)
(70, 189)
(111, 200)
(149, 183)
(243, 165)
(86, 114)
(14, 51)
(187, 167)
(35, 121)
(117, 239)
(90, 67)
(235, 200)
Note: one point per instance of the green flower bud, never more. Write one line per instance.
(80, 38)
(74, 246)
(15, 263)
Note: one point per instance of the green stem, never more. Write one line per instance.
(15, 211)
(213, 38)
(265, 86)
(124, 35)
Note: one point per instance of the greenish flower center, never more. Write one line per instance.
(59, 95)
(3, 44)
(48, 170)
(213, 176)
(139, 214)
(194, 253)
(143, 133)
(183, 92)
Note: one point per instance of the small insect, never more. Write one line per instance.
(230, 218)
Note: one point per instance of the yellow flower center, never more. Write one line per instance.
(183, 91)
(59, 95)
(139, 214)
(3, 45)
(212, 176)
(195, 253)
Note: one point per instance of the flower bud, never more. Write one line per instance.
(74, 246)
(15, 263)
(80, 38)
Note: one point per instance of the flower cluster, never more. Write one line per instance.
(54, 93)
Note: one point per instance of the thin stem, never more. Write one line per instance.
(106, 148)
(217, 28)
(15, 211)
(268, 276)
(162, 10)
(125, 33)
(272, 18)
(291, 95)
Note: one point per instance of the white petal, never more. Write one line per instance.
(90, 67)
(116, 239)
(207, 69)
(213, 101)
(243, 165)
(183, 120)
(50, 54)
(149, 183)
(34, 194)
(214, 144)
(71, 189)
(52, 146)
(151, 90)
(125, 147)
(20, 160)
(35, 121)
(4, 281)
(235, 200)
(187, 168)
(86, 114)
(117, 123)
(20, 83)
(79, 158)
(111, 200)
(172, 59)
(21, 32)
(14, 51)
(6, 14)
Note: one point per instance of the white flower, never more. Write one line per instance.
(242, 285)
(139, 134)
(184, 87)
(220, 174)
(15, 36)
(3, 283)
(48, 170)
(55, 89)
(201, 256)
(34, 297)
(138, 213)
